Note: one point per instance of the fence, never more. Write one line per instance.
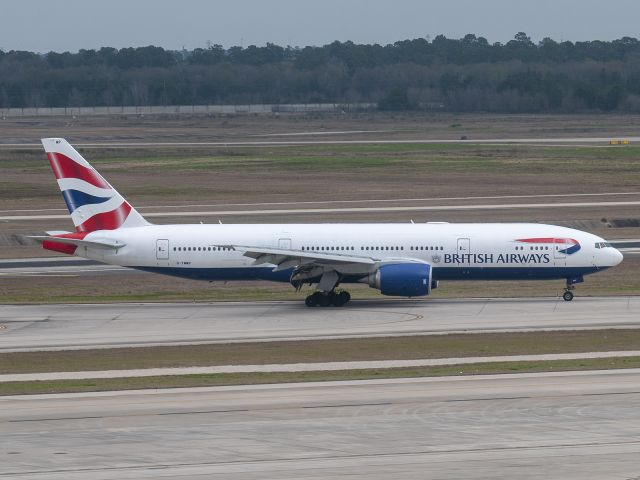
(189, 109)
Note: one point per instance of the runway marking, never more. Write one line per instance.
(414, 316)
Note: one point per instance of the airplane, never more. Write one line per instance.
(403, 260)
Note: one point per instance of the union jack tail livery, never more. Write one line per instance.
(92, 202)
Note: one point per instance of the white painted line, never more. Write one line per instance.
(307, 367)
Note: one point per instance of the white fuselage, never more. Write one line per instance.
(455, 251)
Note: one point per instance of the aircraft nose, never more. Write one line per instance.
(617, 256)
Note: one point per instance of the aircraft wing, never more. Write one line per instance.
(284, 258)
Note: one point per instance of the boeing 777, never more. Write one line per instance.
(405, 260)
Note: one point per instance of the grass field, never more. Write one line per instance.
(208, 380)
(314, 351)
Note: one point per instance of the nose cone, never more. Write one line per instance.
(617, 257)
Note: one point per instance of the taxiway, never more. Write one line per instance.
(69, 326)
(569, 425)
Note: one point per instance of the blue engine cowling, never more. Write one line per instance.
(402, 279)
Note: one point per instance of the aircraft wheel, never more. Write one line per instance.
(323, 300)
(311, 300)
(567, 296)
(340, 299)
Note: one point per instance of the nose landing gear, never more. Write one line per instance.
(337, 299)
(568, 289)
(568, 294)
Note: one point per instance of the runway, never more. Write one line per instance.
(570, 425)
(64, 326)
(58, 267)
(362, 210)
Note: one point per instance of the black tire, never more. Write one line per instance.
(311, 301)
(340, 299)
(323, 300)
(567, 296)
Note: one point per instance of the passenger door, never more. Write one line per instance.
(464, 248)
(284, 243)
(162, 249)
(559, 256)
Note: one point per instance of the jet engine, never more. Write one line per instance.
(402, 279)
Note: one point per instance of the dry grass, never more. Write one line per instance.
(312, 351)
(208, 380)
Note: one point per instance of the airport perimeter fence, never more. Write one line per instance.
(190, 109)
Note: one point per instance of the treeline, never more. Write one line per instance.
(466, 74)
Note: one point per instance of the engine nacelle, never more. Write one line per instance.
(402, 279)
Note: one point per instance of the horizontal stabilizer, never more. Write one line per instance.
(106, 243)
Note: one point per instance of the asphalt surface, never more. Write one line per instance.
(65, 326)
(550, 425)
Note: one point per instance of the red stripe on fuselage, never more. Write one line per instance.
(64, 167)
(107, 220)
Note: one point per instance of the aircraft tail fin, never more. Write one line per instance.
(92, 202)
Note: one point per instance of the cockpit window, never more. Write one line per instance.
(603, 245)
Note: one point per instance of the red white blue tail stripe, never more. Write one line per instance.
(92, 202)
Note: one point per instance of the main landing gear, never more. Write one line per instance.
(321, 299)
